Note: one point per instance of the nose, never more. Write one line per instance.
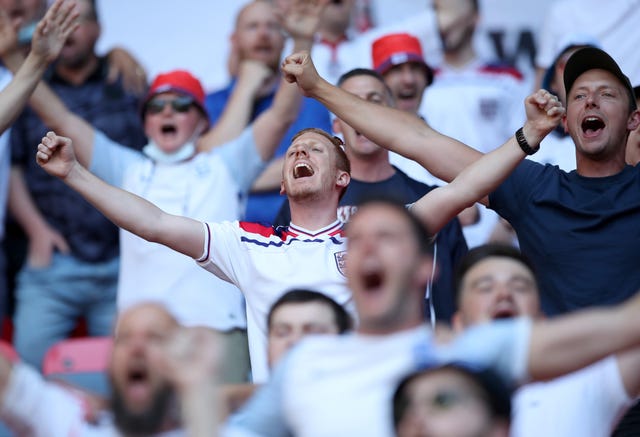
(503, 291)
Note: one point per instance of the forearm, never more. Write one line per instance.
(21, 205)
(57, 117)
(567, 343)
(472, 185)
(235, 117)
(137, 215)
(270, 127)
(15, 96)
(200, 413)
(399, 132)
(270, 178)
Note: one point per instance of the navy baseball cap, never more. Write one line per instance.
(591, 58)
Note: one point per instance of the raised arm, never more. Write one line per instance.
(478, 180)
(128, 211)
(395, 130)
(53, 112)
(237, 112)
(300, 21)
(566, 343)
(49, 37)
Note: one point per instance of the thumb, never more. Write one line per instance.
(60, 243)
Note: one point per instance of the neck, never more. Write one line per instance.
(388, 329)
(77, 74)
(598, 169)
(460, 58)
(372, 170)
(313, 214)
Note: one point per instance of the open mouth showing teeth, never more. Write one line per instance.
(592, 124)
(302, 171)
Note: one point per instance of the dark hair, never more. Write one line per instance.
(480, 253)
(366, 72)
(421, 233)
(493, 387)
(301, 295)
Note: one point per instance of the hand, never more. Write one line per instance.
(253, 75)
(298, 68)
(55, 155)
(122, 64)
(544, 112)
(302, 17)
(8, 32)
(53, 30)
(42, 244)
(192, 358)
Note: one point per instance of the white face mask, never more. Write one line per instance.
(158, 155)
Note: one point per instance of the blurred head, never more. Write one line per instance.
(258, 34)
(29, 12)
(494, 282)
(315, 166)
(79, 49)
(601, 108)
(298, 313)
(337, 15)
(453, 400)
(399, 59)
(457, 21)
(389, 264)
(633, 142)
(142, 399)
(173, 110)
(369, 86)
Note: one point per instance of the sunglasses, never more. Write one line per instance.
(180, 104)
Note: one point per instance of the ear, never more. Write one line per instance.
(634, 120)
(283, 192)
(343, 179)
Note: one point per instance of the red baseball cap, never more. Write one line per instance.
(179, 81)
(398, 48)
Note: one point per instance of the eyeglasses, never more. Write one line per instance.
(179, 104)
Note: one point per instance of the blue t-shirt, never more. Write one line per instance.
(262, 207)
(581, 233)
(450, 245)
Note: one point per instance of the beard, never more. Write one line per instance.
(161, 410)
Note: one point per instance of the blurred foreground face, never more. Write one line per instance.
(290, 322)
(141, 394)
(447, 403)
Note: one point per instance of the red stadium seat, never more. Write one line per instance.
(81, 362)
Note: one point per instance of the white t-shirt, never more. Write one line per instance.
(34, 407)
(587, 402)
(343, 385)
(211, 186)
(265, 263)
(614, 24)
